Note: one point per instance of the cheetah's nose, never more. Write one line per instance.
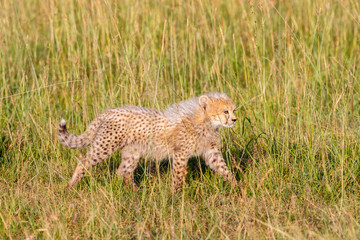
(234, 119)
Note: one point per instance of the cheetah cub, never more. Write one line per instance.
(186, 129)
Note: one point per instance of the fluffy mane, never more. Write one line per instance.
(187, 108)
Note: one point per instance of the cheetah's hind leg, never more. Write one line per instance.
(130, 156)
(79, 171)
(103, 146)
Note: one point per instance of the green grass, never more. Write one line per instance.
(291, 66)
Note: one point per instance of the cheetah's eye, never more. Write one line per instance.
(226, 112)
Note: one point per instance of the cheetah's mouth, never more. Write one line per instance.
(218, 124)
(229, 125)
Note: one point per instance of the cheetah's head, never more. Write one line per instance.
(219, 108)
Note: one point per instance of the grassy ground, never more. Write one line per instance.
(291, 66)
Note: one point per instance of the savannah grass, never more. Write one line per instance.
(292, 67)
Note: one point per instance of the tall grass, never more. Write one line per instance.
(291, 66)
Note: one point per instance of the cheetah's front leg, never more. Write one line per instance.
(180, 161)
(215, 160)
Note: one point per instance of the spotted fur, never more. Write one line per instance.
(186, 129)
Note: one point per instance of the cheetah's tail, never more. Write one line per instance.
(71, 141)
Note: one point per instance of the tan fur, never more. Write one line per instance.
(186, 129)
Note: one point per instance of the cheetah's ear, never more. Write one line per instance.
(204, 101)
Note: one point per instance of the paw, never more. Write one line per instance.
(131, 184)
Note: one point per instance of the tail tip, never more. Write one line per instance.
(62, 123)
